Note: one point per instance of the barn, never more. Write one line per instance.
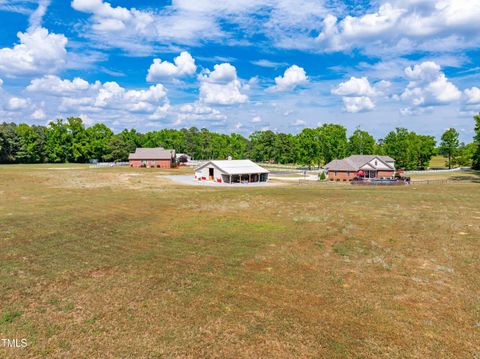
(231, 171)
(152, 157)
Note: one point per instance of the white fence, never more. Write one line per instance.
(436, 171)
(109, 164)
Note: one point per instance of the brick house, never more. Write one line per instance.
(372, 166)
(152, 157)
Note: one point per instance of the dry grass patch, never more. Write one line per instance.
(118, 262)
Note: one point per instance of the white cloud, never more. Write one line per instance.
(161, 112)
(294, 76)
(51, 84)
(38, 52)
(405, 27)
(112, 96)
(256, 119)
(36, 17)
(428, 86)
(268, 63)
(221, 86)
(39, 114)
(194, 21)
(357, 93)
(355, 87)
(1, 82)
(17, 103)
(357, 104)
(299, 122)
(198, 112)
(473, 95)
(100, 101)
(183, 65)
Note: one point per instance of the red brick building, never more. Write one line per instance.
(152, 157)
(372, 166)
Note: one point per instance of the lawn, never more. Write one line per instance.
(123, 263)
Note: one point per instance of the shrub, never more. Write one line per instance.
(183, 159)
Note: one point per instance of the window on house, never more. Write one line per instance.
(376, 163)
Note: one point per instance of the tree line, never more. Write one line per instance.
(71, 141)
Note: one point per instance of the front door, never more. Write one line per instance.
(210, 174)
(371, 174)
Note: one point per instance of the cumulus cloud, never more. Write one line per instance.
(198, 112)
(132, 29)
(39, 114)
(355, 87)
(191, 22)
(221, 86)
(358, 104)
(256, 119)
(1, 82)
(473, 95)
(17, 103)
(112, 96)
(98, 100)
(357, 93)
(294, 76)
(183, 65)
(405, 26)
(428, 86)
(39, 52)
(54, 85)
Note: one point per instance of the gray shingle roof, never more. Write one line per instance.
(157, 153)
(354, 162)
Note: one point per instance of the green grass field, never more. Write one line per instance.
(123, 263)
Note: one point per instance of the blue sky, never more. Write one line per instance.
(241, 66)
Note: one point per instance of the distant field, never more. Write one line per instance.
(438, 162)
(123, 263)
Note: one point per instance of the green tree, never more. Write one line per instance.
(263, 146)
(238, 147)
(361, 143)
(476, 144)
(192, 142)
(309, 151)
(59, 142)
(449, 145)
(32, 143)
(425, 150)
(285, 148)
(464, 155)
(79, 146)
(118, 149)
(99, 137)
(9, 142)
(397, 144)
(333, 141)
